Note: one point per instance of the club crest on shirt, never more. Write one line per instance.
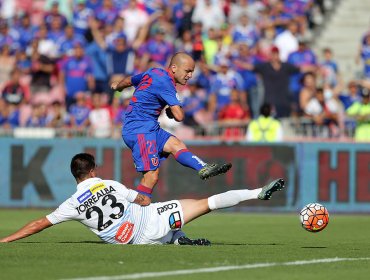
(155, 161)
(175, 220)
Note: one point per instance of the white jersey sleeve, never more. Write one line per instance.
(65, 212)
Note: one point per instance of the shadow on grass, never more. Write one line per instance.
(64, 242)
(314, 247)
(248, 244)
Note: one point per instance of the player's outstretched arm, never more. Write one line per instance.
(120, 85)
(29, 229)
(175, 112)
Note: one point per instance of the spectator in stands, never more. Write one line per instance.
(57, 115)
(23, 62)
(221, 87)
(53, 14)
(281, 19)
(9, 114)
(364, 54)
(245, 7)
(106, 13)
(275, 77)
(215, 16)
(329, 68)
(120, 59)
(111, 32)
(46, 46)
(360, 111)
(234, 117)
(185, 43)
(79, 113)
(56, 30)
(287, 41)
(3, 113)
(66, 41)
(156, 49)
(308, 89)
(76, 74)
(100, 118)
(245, 32)
(265, 44)
(42, 67)
(323, 113)
(93, 4)
(351, 95)
(241, 60)
(9, 36)
(14, 91)
(25, 30)
(204, 76)
(181, 16)
(194, 105)
(7, 62)
(39, 117)
(305, 59)
(81, 17)
(265, 128)
(210, 46)
(135, 19)
(98, 57)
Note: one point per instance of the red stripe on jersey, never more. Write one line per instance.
(143, 151)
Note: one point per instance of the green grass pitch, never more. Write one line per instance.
(70, 250)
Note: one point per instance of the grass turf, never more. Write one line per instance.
(70, 250)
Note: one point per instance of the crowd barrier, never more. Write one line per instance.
(35, 172)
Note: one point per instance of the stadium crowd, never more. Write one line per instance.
(58, 59)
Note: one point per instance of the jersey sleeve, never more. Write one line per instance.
(135, 80)
(65, 212)
(169, 95)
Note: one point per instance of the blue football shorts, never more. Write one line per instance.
(147, 148)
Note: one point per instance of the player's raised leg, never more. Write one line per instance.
(194, 208)
(185, 157)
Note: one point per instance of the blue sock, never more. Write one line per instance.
(186, 158)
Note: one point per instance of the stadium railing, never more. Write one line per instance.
(293, 129)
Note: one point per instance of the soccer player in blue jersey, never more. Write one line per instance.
(155, 89)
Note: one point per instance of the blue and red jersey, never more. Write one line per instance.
(154, 90)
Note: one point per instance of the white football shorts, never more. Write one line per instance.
(165, 219)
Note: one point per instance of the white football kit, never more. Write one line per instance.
(106, 208)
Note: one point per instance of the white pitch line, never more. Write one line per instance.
(216, 269)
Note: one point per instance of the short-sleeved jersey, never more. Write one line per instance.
(105, 207)
(154, 89)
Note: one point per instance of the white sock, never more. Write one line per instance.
(231, 198)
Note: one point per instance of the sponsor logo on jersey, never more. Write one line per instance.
(124, 233)
(97, 187)
(84, 196)
(166, 207)
(175, 220)
(88, 199)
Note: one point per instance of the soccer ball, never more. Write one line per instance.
(314, 217)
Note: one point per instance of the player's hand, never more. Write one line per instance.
(142, 200)
(114, 85)
(169, 113)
